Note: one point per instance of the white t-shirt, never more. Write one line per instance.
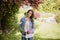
(26, 26)
(26, 29)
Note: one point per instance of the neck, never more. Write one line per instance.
(28, 17)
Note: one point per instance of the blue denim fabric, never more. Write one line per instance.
(30, 38)
(23, 38)
(22, 25)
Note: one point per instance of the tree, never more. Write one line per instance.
(50, 6)
(9, 8)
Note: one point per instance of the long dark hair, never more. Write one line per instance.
(31, 17)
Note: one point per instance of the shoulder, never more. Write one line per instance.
(22, 19)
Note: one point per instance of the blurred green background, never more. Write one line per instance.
(44, 30)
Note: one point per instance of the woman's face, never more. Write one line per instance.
(30, 13)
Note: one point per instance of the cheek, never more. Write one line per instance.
(29, 14)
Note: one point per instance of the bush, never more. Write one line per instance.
(57, 18)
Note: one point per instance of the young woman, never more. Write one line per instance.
(27, 26)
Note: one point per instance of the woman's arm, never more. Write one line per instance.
(21, 25)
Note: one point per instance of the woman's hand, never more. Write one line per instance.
(23, 33)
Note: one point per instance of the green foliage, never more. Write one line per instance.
(11, 36)
(9, 18)
(9, 21)
(8, 12)
(57, 18)
(49, 6)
